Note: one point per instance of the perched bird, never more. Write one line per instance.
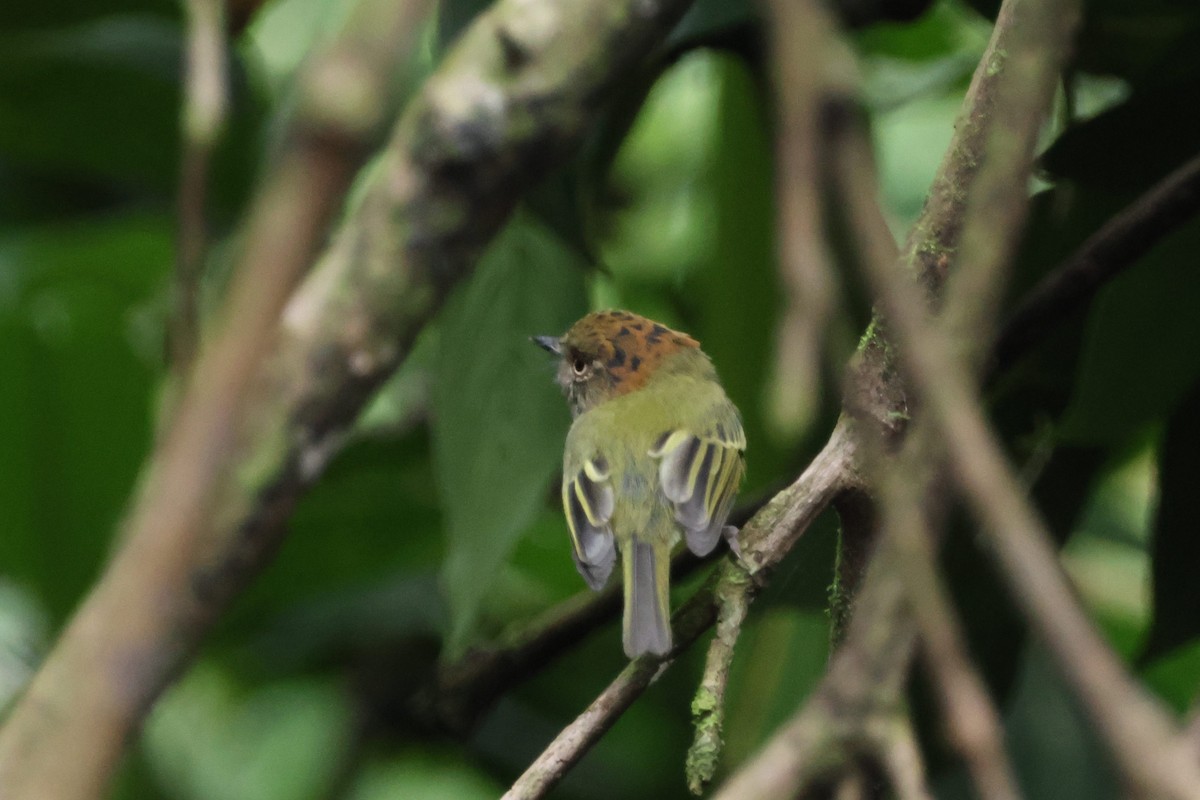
(655, 453)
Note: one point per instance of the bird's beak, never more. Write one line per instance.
(550, 344)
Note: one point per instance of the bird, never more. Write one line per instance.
(655, 454)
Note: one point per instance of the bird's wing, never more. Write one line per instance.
(587, 496)
(700, 474)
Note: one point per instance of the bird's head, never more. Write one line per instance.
(610, 353)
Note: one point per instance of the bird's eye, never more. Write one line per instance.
(580, 366)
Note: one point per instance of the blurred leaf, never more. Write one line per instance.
(79, 345)
(94, 109)
(101, 99)
(499, 424)
(209, 739)
(1136, 364)
(948, 29)
(1176, 677)
(423, 773)
(1152, 131)
(1053, 749)
(357, 539)
(1147, 41)
(24, 634)
(59, 13)
(658, 225)
(1176, 547)
(712, 20)
(736, 293)
(452, 17)
(781, 657)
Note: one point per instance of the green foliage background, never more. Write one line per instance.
(437, 527)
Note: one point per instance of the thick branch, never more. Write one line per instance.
(509, 103)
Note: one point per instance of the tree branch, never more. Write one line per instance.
(881, 633)
(204, 110)
(1140, 735)
(510, 102)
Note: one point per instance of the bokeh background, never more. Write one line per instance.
(438, 528)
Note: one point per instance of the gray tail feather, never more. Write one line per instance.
(647, 622)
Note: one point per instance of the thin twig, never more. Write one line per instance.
(1120, 242)
(708, 706)
(205, 107)
(577, 738)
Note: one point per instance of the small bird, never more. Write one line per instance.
(655, 453)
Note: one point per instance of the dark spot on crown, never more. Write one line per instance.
(623, 332)
(618, 358)
(658, 330)
(639, 327)
(622, 315)
(634, 363)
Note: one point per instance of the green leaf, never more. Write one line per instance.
(93, 109)
(363, 534)
(80, 337)
(499, 422)
(425, 772)
(1176, 677)
(737, 297)
(1139, 359)
(1176, 547)
(210, 739)
(781, 657)
(1054, 750)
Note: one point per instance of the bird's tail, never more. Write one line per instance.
(647, 626)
